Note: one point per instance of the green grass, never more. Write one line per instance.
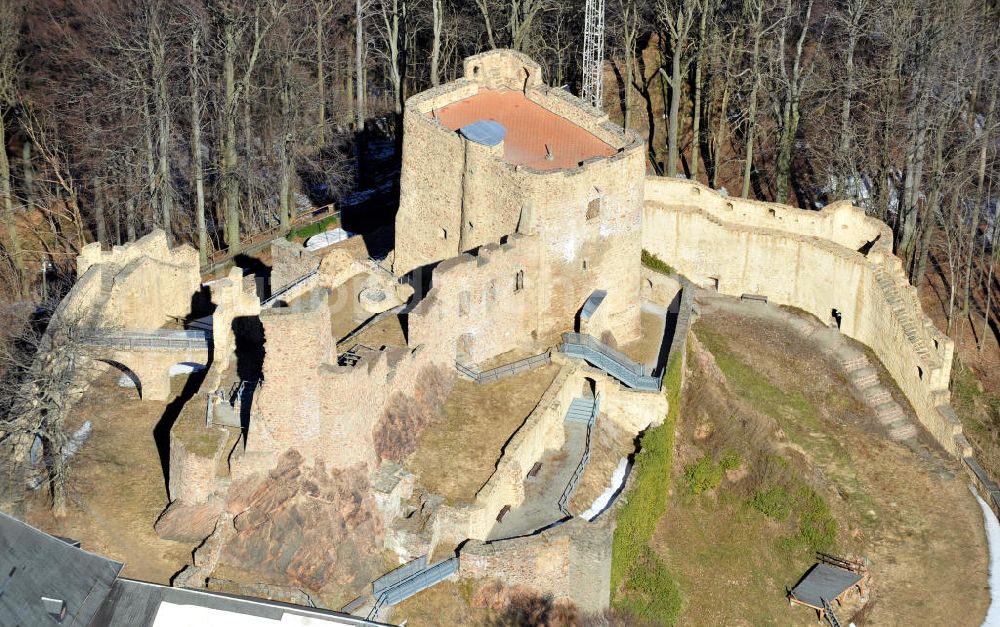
(702, 476)
(653, 262)
(641, 582)
(314, 229)
(773, 501)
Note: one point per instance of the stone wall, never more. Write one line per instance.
(543, 430)
(143, 285)
(571, 561)
(456, 195)
(834, 260)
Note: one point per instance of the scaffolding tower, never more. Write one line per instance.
(593, 53)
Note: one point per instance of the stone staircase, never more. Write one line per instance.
(865, 379)
(904, 302)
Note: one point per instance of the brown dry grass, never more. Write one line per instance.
(928, 555)
(646, 349)
(117, 486)
(457, 453)
(395, 435)
(386, 332)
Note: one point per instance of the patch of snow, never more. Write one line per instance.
(993, 539)
(326, 238)
(602, 502)
(185, 367)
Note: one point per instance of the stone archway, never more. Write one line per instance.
(126, 373)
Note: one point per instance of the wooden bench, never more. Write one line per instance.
(757, 298)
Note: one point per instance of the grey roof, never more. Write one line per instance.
(593, 303)
(135, 604)
(486, 132)
(34, 564)
(824, 581)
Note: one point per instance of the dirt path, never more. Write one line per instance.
(778, 395)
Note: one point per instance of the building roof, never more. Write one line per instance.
(824, 582)
(34, 565)
(136, 603)
(533, 132)
(39, 572)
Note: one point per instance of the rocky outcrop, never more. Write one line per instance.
(188, 523)
(303, 527)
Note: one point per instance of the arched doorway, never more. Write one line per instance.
(128, 379)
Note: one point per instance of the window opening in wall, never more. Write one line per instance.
(475, 70)
(464, 303)
(729, 206)
(836, 317)
(920, 373)
(519, 281)
(593, 208)
(713, 283)
(443, 233)
(770, 212)
(585, 265)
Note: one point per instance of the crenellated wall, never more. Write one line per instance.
(819, 261)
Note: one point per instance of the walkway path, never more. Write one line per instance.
(542, 492)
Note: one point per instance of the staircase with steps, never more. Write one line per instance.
(830, 616)
(864, 378)
(581, 410)
(610, 361)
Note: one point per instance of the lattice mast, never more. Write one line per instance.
(593, 53)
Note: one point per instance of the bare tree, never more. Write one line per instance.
(10, 28)
(677, 16)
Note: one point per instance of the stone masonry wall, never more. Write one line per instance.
(834, 259)
(456, 196)
(571, 561)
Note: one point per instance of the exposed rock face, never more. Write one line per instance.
(188, 523)
(305, 527)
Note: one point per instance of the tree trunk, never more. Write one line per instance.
(99, 224)
(673, 126)
(436, 26)
(359, 90)
(157, 49)
(283, 158)
(696, 107)
(199, 175)
(7, 201)
(230, 189)
(321, 75)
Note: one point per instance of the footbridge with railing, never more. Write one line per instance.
(409, 579)
(611, 361)
(504, 371)
(147, 357)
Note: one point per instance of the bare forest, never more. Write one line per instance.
(221, 121)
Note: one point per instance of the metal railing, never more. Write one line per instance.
(506, 370)
(284, 289)
(582, 466)
(415, 581)
(613, 362)
(143, 340)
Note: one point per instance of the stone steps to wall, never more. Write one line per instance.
(889, 412)
(876, 395)
(864, 378)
